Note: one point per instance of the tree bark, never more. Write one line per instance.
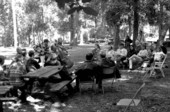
(164, 30)
(14, 24)
(73, 39)
(116, 37)
(136, 22)
(160, 24)
(169, 33)
(130, 26)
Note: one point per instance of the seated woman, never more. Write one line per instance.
(38, 53)
(138, 59)
(130, 53)
(96, 52)
(52, 59)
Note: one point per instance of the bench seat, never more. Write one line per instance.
(59, 86)
(5, 99)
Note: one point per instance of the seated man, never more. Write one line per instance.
(96, 51)
(143, 54)
(111, 53)
(157, 56)
(89, 64)
(121, 54)
(107, 63)
(52, 59)
(32, 64)
(16, 70)
(63, 55)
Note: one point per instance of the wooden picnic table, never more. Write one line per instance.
(44, 72)
(5, 89)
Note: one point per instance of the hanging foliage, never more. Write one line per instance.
(77, 6)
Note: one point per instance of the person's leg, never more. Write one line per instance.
(117, 72)
(23, 93)
(99, 76)
(130, 63)
(77, 84)
(99, 80)
(14, 91)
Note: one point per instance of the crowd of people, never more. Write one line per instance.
(127, 57)
(25, 61)
(56, 54)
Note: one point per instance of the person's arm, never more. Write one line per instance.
(140, 53)
(48, 59)
(36, 64)
(123, 53)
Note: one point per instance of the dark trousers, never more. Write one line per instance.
(23, 95)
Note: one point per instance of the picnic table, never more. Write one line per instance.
(44, 72)
(3, 91)
(47, 72)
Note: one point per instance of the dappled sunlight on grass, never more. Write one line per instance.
(80, 62)
(155, 94)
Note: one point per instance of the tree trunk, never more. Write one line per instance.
(130, 26)
(14, 24)
(164, 30)
(160, 24)
(116, 37)
(136, 22)
(81, 36)
(73, 40)
(169, 33)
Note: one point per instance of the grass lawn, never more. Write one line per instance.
(155, 95)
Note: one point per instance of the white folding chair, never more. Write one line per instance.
(157, 66)
(160, 65)
(133, 102)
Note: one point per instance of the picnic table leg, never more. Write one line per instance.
(1, 106)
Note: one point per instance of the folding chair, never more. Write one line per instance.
(107, 72)
(156, 66)
(132, 102)
(87, 76)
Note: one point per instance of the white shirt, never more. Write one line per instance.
(111, 54)
(158, 55)
(143, 53)
(122, 52)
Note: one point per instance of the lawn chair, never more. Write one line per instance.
(132, 102)
(86, 76)
(156, 66)
(105, 72)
